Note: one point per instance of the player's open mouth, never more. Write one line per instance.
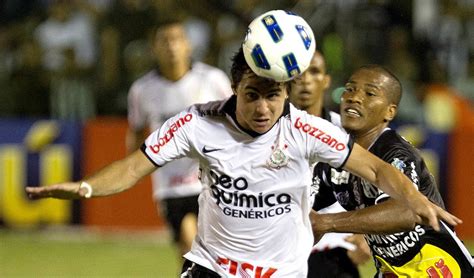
(351, 112)
(261, 122)
(304, 94)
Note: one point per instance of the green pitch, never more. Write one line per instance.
(75, 253)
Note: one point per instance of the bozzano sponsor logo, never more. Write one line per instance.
(169, 134)
(319, 134)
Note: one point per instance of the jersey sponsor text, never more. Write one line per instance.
(320, 135)
(239, 198)
(394, 245)
(245, 269)
(169, 134)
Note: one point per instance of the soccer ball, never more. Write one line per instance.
(279, 45)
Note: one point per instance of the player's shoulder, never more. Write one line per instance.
(392, 144)
(208, 109)
(206, 69)
(145, 80)
(390, 138)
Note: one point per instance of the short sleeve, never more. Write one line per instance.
(322, 140)
(172, 140)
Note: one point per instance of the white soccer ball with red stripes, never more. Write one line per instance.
(279, 45)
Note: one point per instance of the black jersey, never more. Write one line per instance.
(412, 253)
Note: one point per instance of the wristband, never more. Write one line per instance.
(88, 187)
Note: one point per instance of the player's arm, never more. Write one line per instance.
(114, 178)
(371, 168)
(134, 139)
(385, 218)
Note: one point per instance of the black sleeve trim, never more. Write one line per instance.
(143, 149)
(350, 145)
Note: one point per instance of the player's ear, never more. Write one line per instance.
(391, 112)
(327, 81)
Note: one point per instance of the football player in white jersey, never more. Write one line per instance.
(338, 253)
(255, 150)
(174, 84)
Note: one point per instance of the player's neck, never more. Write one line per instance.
(367, 138)
(175, 73)
(316, 109)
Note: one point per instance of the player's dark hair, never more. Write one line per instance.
(164, 21)
(394, 88)
(239, 67)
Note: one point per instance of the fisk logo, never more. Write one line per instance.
(169, 134)
(245, 270)
(320, 135)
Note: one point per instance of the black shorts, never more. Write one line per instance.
(331, 263)
(175, 209)
(193, 270)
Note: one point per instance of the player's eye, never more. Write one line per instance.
(273, 96)
(348, 90)
(252, 95)
(313, 70)
(370, 93)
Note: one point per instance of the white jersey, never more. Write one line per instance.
(153, 99)
(254, 208)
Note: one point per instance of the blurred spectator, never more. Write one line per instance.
(67, 38)
(65, 27)
(72, 95)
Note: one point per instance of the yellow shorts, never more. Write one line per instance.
(431, 261)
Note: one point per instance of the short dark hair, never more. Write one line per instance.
(164, 21)
(394, 88)
(239, 67)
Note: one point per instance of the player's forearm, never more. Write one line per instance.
(396, 184)
(383, 175)
(388, 217)
(120, 175)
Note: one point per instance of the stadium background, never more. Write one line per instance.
(428, 44)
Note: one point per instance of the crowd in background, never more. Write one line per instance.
(76, 59)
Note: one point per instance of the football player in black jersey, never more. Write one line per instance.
(368, 104)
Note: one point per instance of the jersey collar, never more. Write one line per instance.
(325, 114)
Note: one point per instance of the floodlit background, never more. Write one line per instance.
(62, 111)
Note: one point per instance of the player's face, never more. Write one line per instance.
(260, 102)
(308, 89)
(171, 46)
(364, 103)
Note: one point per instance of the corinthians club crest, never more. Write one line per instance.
(279, 157)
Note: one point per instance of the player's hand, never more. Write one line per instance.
(361, 253)
(430, 214)
(67, 190)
